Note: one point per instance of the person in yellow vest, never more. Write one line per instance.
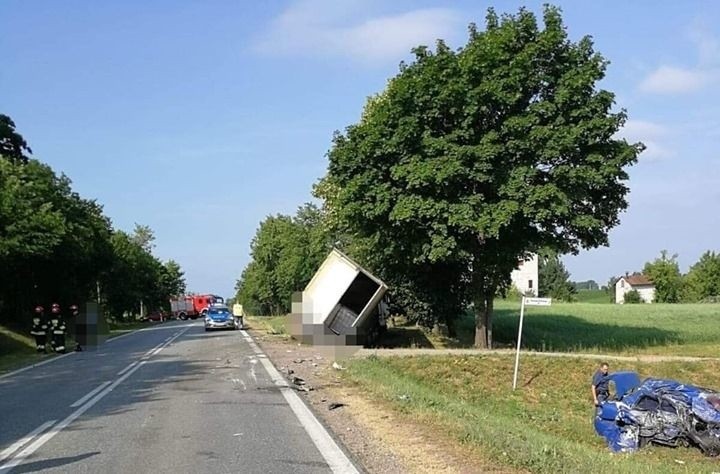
(239, 315)
(39, 329)
(57, 329)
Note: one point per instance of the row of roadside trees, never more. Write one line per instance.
(56, 246)
(469, 161)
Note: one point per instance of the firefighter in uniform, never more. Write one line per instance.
(39, 329)
(57, 328)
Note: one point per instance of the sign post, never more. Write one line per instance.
(528, 302)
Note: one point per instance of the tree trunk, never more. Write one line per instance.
(451, 325)
(483, 322)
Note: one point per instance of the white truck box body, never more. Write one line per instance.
(341, 289)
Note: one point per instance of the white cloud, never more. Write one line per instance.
(667, 79)
(320, 28)
(671, 80)
(653, 136)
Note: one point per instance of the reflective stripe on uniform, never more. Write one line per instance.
(60, 348)
(37, 333)
(58, 331)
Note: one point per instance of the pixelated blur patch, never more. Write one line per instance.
(91, 328)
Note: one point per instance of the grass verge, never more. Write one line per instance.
(545, 426)
(273, 325)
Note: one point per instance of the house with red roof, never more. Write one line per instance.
(638, 282)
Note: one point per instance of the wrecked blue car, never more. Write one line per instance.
(659, 411)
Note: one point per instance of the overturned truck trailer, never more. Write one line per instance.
(342, 304)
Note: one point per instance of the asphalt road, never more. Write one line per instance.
(171, 398)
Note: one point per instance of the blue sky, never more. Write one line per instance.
(194, 116)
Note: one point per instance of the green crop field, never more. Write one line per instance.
(677, 329)
(544, 426)
(594, 296)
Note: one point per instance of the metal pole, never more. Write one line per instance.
(517, 353)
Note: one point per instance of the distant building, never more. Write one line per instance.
(638, 282)
(525, 277)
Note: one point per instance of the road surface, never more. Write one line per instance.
(170, 398)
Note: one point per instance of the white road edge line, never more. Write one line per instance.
(335, 457)
(127, 368)
(90, 395)
(25, 439)
(37, 444)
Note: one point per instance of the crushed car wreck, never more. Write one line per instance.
(659, 411)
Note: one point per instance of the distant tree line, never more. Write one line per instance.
(285, 253)
(700, 284)
(56, 246)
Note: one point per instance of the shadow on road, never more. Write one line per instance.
(39, 466)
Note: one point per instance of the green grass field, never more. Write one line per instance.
(544, 426)
(593, 296)
(677, 329)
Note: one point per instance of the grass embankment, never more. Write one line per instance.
(544, 426)
(16, 350)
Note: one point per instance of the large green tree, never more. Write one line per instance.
(664, 272)
(702, 282)
(472, 159)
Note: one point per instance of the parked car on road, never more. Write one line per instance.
(157, 316)
(220, 317)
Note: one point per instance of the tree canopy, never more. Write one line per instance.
(472, 159)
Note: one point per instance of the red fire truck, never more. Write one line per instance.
(193, 306)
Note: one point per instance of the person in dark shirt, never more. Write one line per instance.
(601, 384)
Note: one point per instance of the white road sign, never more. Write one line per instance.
(538, 301)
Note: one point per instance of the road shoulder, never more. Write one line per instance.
(381, 439)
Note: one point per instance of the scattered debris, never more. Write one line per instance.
(237, 434)
(679, 461)
(323, 400)
(337, 366)
(404, 397)
(335, 405)
(298, 361)
(314, 364)
(298, 381)
(305, 388)
(290, 371)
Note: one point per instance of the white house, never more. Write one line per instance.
(642, 284)
(525, 277)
